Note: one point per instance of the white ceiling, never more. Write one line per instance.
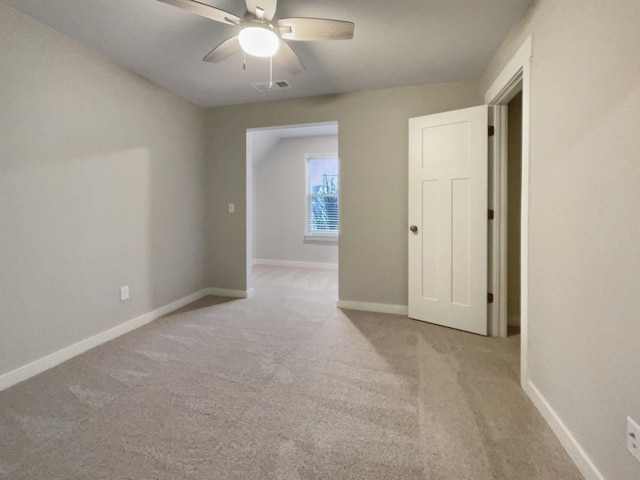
(264, 140)
(396, 43)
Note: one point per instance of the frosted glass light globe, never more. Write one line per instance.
(259, 41)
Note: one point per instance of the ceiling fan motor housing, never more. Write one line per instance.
(259, 38)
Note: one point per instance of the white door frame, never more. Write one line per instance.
(515, 77)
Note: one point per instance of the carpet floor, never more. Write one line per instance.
(282, 386)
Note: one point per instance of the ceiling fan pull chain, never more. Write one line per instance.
(244, 60)
(271, 72)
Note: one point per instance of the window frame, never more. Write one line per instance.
(315, 236)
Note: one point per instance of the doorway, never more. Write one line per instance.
(284, 231)
(514, 80)
(514, 194)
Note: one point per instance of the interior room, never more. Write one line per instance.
(283, 160)
(171, 308)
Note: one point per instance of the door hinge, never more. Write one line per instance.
(489, 297)
(492, 214)
(492, 130)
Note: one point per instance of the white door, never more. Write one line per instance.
(448, 175)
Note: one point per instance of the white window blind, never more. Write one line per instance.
(322, 196)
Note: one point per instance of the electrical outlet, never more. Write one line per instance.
(232, 208)
(633, 438)
(124, 293)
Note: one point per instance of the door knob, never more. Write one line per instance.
(413, 228)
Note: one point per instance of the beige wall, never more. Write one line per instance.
(373, 130)
(101, 185)
(280, 192)
(584, 229)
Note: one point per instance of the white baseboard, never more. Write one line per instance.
(56, 358)
(224, 292)
(291, 263)
(374, 307)
(568, 441)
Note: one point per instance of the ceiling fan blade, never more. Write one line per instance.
(266, 8)
(205, 10)
(224, 50)
(288, 59)
(308, 29)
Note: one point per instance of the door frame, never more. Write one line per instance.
(309, 129)
(514, 78)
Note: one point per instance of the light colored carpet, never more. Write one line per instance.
(281, 386)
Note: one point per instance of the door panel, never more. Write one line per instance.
(430, 240)
(448, 203)
(460, 242)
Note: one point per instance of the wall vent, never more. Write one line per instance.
(277, 85)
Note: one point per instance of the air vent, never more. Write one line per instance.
(277, 85)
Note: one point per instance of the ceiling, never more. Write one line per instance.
(263, 140)
(396, 43)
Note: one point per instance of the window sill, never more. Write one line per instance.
(321, 238)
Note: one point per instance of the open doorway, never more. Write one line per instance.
(293, 204)
(513, 202)
(513, 81)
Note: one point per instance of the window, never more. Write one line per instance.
(322, 198)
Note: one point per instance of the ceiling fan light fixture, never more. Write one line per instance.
(259, 41)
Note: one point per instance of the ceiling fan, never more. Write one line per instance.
(262, 36)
